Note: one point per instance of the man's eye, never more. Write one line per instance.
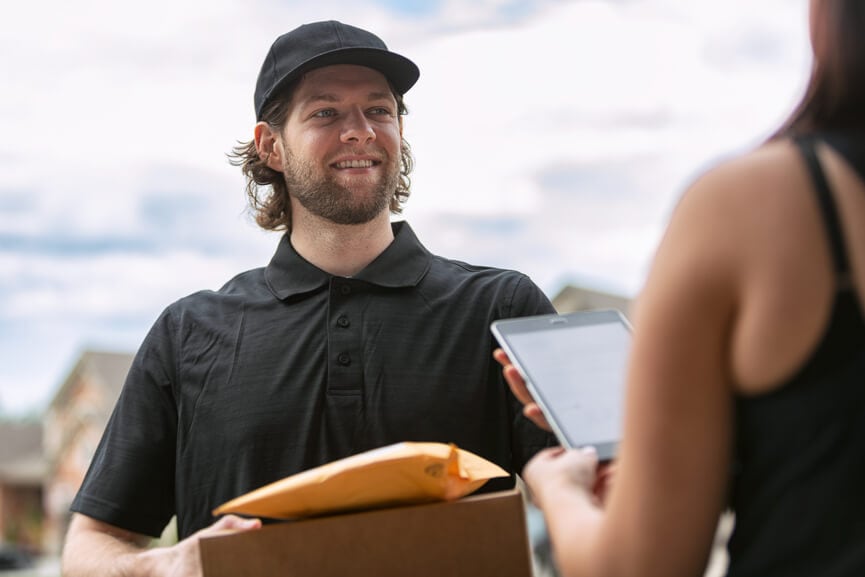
(380, 110)
(326, 113)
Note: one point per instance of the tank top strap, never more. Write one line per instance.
(828, 210)
(850, 146)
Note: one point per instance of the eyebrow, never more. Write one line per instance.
(328, 97)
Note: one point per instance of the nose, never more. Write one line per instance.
(357, 128)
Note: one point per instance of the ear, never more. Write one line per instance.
(400, 125)
(268, 143)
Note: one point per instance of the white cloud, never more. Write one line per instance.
(552, 137)
(657, 90)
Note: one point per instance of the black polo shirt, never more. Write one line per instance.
(287, 367)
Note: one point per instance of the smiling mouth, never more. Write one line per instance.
(355, 164)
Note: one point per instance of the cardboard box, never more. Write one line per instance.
(475, 536)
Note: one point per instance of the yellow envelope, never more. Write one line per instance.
(397, 474)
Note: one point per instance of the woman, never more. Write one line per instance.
(746, 382)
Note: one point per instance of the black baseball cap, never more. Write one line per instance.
(323, 44)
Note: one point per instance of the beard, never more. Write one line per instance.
(323, 196)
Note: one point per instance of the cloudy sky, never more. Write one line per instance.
(551, 136)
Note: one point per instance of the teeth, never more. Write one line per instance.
(354, 164)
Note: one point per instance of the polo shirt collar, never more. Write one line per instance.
(402, 264)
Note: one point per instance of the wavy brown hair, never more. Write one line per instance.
(835, 96)
(265, 187)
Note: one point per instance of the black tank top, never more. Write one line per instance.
(798, 488)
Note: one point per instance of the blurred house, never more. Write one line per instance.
(22, 470)
(73, 425)
(574, 298)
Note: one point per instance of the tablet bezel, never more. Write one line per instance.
(505, 328)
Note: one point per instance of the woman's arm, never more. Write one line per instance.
(672, 473)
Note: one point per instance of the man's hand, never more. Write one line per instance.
(518, 387)
(184, 558)
(97, 549)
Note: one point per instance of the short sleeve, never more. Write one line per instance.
(130, 482)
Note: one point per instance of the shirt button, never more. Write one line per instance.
(345, 289)
(344, 359)
(343, 322)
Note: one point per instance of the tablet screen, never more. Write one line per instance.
(575, 367)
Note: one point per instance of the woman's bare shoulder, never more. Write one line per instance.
(757, 179)
(773, 160)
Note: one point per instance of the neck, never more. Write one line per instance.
(341, 249)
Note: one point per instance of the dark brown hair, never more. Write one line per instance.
(265, 187)
(835, 96)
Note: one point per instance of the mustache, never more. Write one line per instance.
(377, 154)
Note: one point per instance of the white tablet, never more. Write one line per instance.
(574, 366)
